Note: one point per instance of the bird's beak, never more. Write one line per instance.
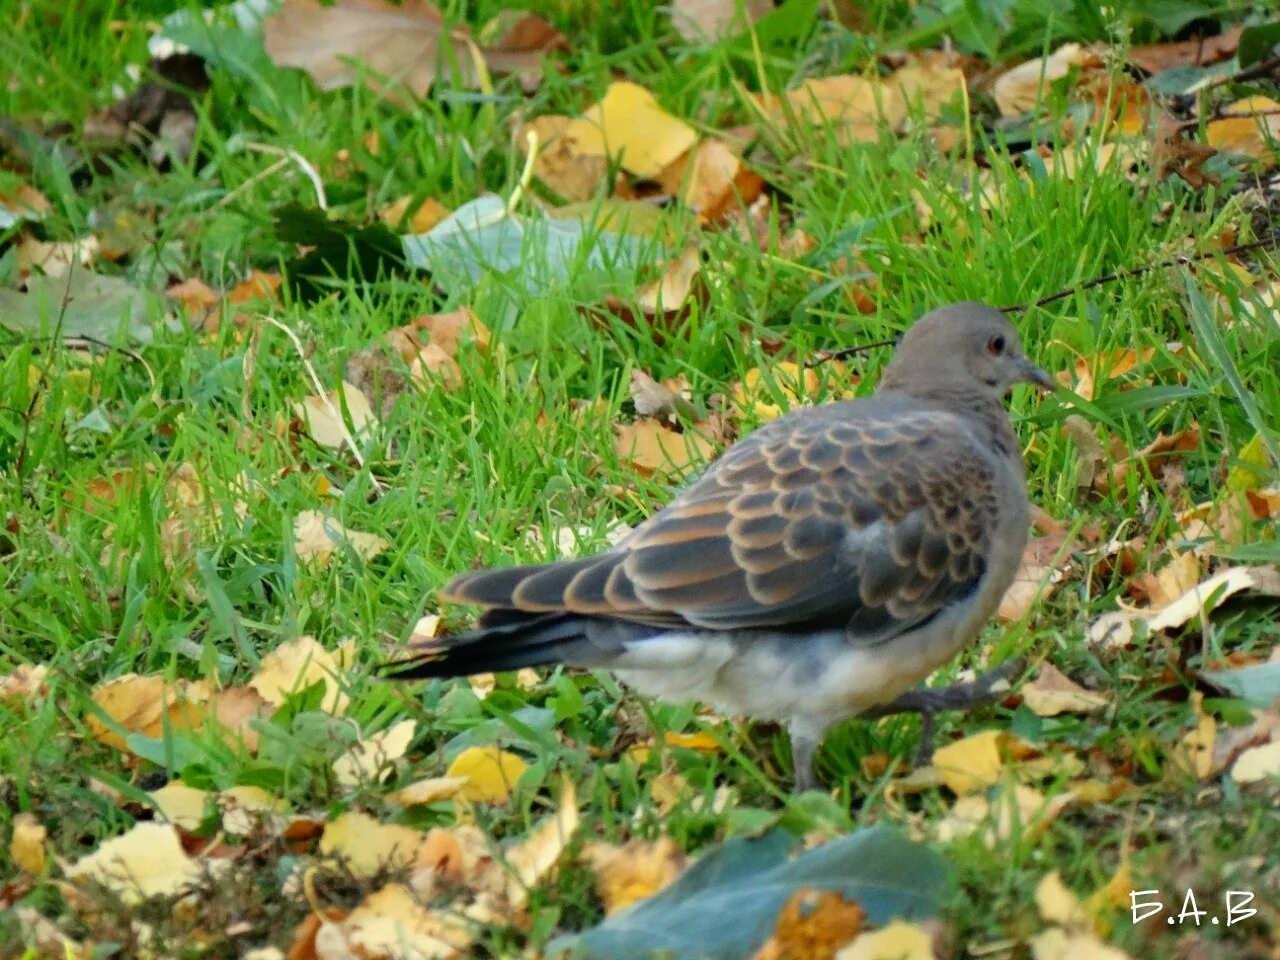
(1028, 372)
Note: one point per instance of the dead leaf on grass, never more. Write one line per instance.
(370, 759)
(1252, 128)
(147, 861)
(813, 924)
(489, 771)
(297, 664)
(1019, 89)
(316, 536)
(651, 447)
(1052, 692)
(633, 871)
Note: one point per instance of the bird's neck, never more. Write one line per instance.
(987, 413)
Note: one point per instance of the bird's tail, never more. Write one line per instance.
(504, 640)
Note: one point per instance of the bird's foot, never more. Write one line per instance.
(928, 701)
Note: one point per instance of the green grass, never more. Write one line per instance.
(463, 475)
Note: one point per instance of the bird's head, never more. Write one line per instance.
(969, 346)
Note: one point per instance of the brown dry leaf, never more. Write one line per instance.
(490, 773)
(701, 21)
(316, 536)
(1116, 629)
(196, 297)
(1058, 944)
(1018, 90)
(629, 124)
(258, 286)
(1052, 692)
(326, 422)
(394, 924)
(712, 181)
(1158, 57)
(54, 259)
(897, 941)
(147, 861)
(562, 163)
(855, 109)
(295, 665)
(1175, 153)
(813, 925)
(1252, 128)
(23, 202)
(1090, 455)
(25, 682)
(235, 708)
(146, 705)
(427, 790)
(1160, 450)
(634, 871)
(973, 763)
(1162, 588)
(369, 847)
(447, 331)
(415, 219)
(432, 367)
(26, 844)
(1043, 564)
(369, 760)
(408, 45)
(654, 399)
(651, 447)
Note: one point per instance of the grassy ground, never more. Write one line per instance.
(457, 478)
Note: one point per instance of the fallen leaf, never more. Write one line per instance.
(1158, 57)
(295, 665)
(897, 941)
(1020, 89)
(973, 763)
(23, 202)
(853, 108)
(1257, 763)
(26, 844)
(629, 125)
(813, 924)
(367, 760)
(1043, 564)
(1090, 455)
(665, 301)
(638, 869)
(562, 162)
(196, 297)
(1022, 809)
(54, 259)
(1175, 153)
(147, 861)
(1059, 905)
(328, 418)
(417, 218)
(428, 790)
(753, 397)
(490, 773)
(1158, 451)
(651, 447)
(407, 44)
(1116, 629)
(532, 859)
(711, 180)
(316, 536)
(25, 682)
(182, 805)
(83, 304)
(393, 923)
(147, 705)
(368, 847)
(1195, 751)
(1052, 692)
(1252, 128)
(703, 21)
(1166, 585)
(1058, 944)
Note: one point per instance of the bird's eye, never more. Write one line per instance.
(995, 346)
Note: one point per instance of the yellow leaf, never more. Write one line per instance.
(532, 859)
(1058, 944)
(316, 536)
(295, 665)
(855, 109)
(148, 861)
(700, 741)
(1257, 763)
(327, 424)
(370, 758)
(26, 845)
(1053, 692)
(392, 922)
(1194, 752)
(897, 941)
(652, 447)
(970, 764)
(181, 805)
(428, 790)
(1252, 466)
(245, 808)
(633, 871)
(629, 124)
(1253, 134)
(1057, 904)
(753, 396)
(813, 923)
(1021, 88)
(420, 219)
(928, 86)
(146, 705)
(369, 847)
(490, 773)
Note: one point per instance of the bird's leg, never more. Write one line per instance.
(806, 737)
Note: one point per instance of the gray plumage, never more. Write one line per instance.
(824, 565)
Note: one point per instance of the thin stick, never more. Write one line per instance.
(1228, 115)
(255, 179)
(323, 394)
(825, 356)
(1145, 268)
(302, 164)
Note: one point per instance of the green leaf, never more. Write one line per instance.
(726, 905)
(340, 252)
(82, 305)
(1256, 43)
(1259, 685)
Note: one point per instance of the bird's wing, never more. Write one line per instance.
(865, 514)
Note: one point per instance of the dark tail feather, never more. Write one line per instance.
(507, 640)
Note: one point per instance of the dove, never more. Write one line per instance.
(821, 568)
